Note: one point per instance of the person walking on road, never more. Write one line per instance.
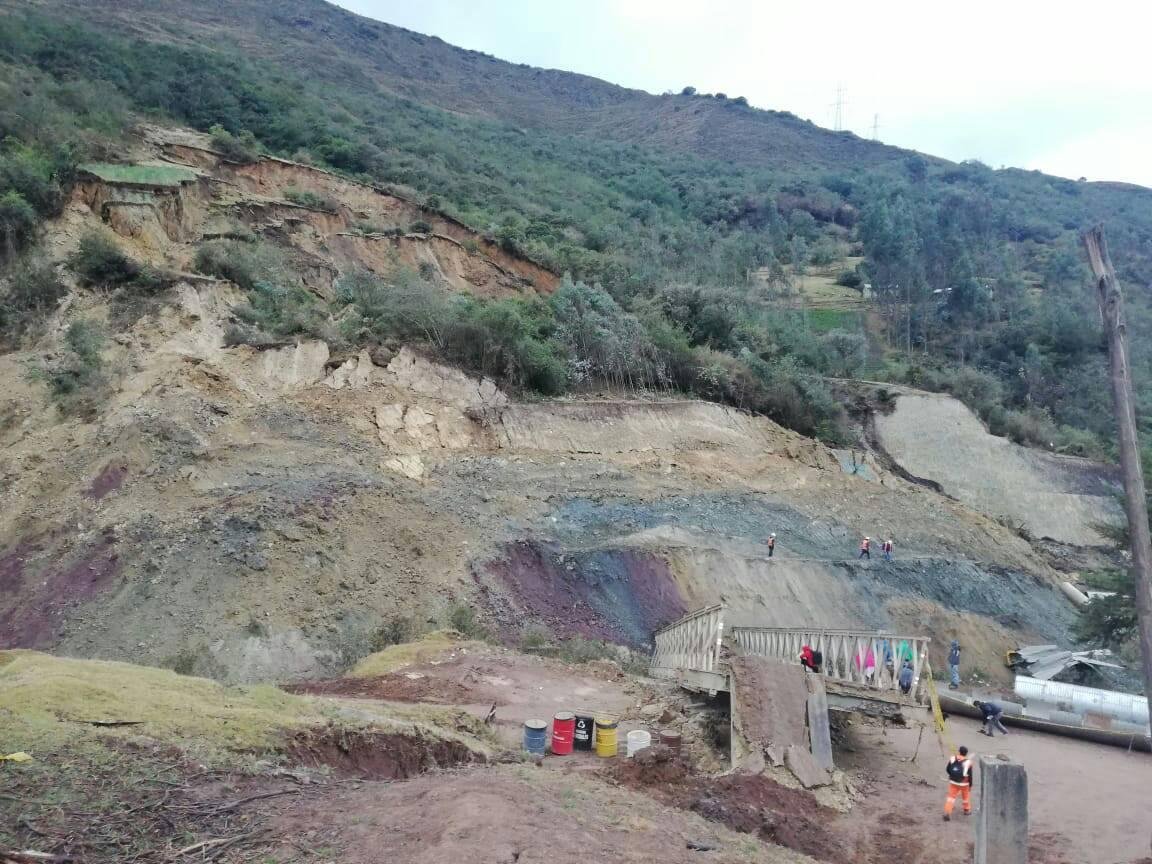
(906, 676)
(886, 546)
(771, 544)
(866, 549)
(991, 712)
(959, 770)
(954, 665)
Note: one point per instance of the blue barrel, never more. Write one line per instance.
(535, 736)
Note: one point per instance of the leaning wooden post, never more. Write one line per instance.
(1135, 503)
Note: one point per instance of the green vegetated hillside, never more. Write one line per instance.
(695, 227)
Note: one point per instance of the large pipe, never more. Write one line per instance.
(1074, 594)
(1073, 697)
(1131, 740)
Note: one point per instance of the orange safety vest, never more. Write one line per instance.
(865, 544)
(771, 542)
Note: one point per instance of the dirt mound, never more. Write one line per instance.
(372, 755)
(747, 803)
(652, 766)
(511, 814)
(756, 805)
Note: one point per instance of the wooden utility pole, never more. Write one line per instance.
(1135, 502)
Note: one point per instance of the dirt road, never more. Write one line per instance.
(1087, 802)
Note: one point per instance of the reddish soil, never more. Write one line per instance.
(392, 688)
(110, 479)
(503, 815)
(747, 803)
(376, 755)
(1072, 786)
(33, 619)
(631, 595)
(12, 565)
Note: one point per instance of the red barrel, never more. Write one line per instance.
(563, 730)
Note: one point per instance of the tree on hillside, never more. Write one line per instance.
(605, 342)
(1109, 621)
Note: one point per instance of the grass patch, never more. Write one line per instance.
(399, 656)
(826, 320)
(47, 704)
(140, 175)
(52, 699)
(311, 200)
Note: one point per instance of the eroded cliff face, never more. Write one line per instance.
(342, 226)
(263, 514)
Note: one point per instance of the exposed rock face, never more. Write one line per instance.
(409, 430)
(445, 384)
(295, 366)
(355, 373)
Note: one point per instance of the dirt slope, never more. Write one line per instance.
(937, 438)
(268, 514)
(259, 515)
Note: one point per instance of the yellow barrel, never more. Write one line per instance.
(606, 736)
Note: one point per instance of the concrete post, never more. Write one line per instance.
(1002, 817)
(819, 733)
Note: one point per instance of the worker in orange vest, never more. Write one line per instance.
(959, 770)
(771, 544)
(866, 548)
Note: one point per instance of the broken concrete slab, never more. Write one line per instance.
(803, 766)
(769, 707)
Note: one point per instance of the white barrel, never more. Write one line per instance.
(638, 739)
(1073, 697)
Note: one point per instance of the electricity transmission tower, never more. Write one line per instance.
(838, 110)
(875, 127)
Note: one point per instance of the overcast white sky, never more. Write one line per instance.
(1014, 82)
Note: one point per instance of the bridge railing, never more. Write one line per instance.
(868, 659)
(691, 644)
